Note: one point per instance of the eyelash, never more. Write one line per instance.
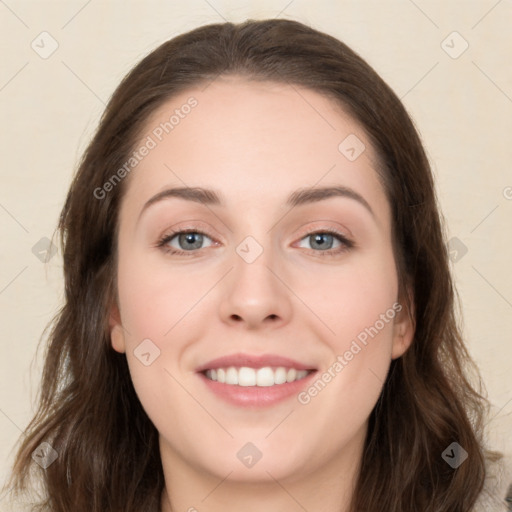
(346, 243)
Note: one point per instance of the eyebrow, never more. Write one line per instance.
(297, 198)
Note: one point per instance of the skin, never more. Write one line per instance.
(255, 143)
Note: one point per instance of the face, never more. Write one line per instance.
(290, 296)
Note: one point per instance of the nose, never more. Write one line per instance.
(255, 294)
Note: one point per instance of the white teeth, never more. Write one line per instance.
(290, 376)
(280, 376)
(246, 377)
(265, 377)
(231, 376)
(262, 377)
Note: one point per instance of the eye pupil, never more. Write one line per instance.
(319, 238)
(189, 238)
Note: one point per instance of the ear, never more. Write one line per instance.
(404, 326)
(116, 330)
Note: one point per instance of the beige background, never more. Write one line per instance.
(50, 107)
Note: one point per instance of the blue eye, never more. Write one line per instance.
(190, 241)
(322, 241)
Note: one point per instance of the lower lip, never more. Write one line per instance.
(256, 396)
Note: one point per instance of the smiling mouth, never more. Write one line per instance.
(261, 377)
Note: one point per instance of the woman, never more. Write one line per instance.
(259, 311)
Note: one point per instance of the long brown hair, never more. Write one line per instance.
(108, 456)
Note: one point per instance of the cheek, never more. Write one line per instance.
(360, 307)
(161, 310)
(356, 300)
(156, 299)
(366, 311)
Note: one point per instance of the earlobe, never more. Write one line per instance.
(401, 342)
(404, 329)
(116, 331)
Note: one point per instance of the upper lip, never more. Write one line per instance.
(253, 361)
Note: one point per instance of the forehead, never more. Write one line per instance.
(253, 139)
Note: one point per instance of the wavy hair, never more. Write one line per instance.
(88, 411)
